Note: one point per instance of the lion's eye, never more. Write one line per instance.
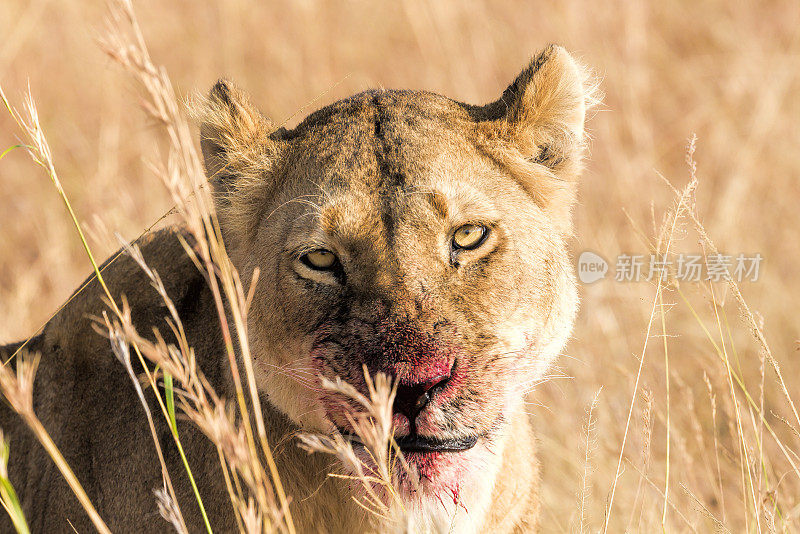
(321, 260)
(469, 236)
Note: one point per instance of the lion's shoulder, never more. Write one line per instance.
(71, 329)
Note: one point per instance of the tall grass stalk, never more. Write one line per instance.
(41, 154)
(185, 179)
(39, 150)
(665, 241)
(590, 443)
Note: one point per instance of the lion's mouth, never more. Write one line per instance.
(417, 443)
(423, 444)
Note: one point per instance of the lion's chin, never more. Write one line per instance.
(434, 474)
(423, 475)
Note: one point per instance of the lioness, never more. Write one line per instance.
(398, 230)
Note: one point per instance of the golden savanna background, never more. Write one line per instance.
(698, 456)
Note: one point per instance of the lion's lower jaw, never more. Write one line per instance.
(468, 491)
(440, 517)
(444, 492)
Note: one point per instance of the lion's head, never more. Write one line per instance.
(414, 235)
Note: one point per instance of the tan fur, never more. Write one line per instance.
(382, 179)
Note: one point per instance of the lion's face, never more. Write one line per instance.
(407, 234)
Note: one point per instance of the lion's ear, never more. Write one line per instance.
(537, 127)
(543, 110)
(234, 135)
(239, 152)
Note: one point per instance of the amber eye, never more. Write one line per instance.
(469, 236)
(321, 260)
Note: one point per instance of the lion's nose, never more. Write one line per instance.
(411, 399)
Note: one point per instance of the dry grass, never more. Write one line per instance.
(701, 388)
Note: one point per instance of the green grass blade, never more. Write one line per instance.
(7, 494)
(9, 149)
(169, 390)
